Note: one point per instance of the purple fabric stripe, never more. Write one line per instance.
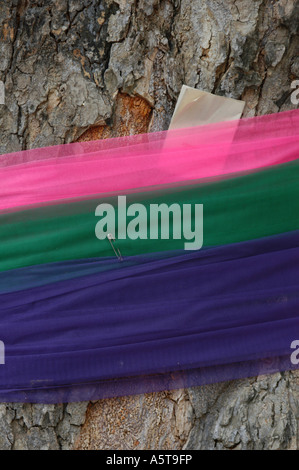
(198, 317)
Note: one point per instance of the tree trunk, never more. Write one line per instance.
(87, 69)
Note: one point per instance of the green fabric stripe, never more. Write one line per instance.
(236, 209)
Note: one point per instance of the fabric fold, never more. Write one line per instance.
(200, 310)
(83, 318)
(124, 164)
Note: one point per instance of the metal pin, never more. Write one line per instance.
(116, 250)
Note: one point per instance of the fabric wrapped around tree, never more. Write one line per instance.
(79, 323)
(188, 319)
(246, 207)
(127, 164)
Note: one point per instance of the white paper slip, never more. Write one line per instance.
(196, 107)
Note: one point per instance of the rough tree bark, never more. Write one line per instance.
(85, 69)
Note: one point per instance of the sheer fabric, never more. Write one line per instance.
(80, 324)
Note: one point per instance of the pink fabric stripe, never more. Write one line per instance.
(80, 169)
